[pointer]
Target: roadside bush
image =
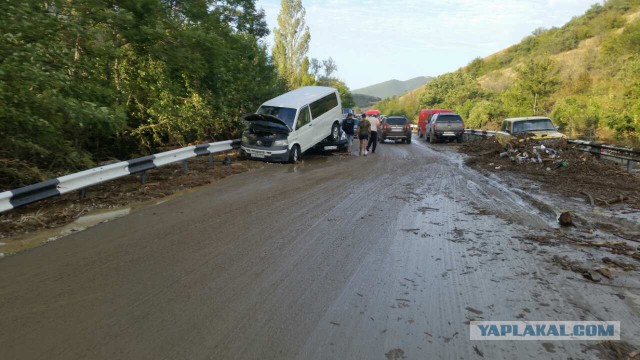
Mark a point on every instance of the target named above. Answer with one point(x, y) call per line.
point(577, 117)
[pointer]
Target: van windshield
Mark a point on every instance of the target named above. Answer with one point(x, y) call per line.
point(287, 115)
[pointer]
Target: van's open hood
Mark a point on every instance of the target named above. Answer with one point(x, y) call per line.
point(268, 122)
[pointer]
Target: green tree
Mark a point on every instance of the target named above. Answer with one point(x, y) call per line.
point(536, 80)
point(291, 45)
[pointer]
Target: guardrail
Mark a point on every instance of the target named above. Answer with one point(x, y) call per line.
point(625, 156)
point(483, 133)
point(81, 180)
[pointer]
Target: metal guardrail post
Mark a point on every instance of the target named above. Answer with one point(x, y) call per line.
point(185, 166)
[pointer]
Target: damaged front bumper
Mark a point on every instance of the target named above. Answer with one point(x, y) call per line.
point(276, 154)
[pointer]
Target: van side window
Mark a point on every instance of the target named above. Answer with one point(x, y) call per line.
point(321, 106)
point(303, 118)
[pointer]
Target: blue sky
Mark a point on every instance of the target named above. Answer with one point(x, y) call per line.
point(374, 41)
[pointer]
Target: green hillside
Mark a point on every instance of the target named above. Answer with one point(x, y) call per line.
point(391, 88)
point(585, 74)
point(364, 101)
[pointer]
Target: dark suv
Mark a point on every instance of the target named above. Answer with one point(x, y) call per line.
point(396, 128)
point(445, 126)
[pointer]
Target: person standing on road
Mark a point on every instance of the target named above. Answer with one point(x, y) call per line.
point(348, 126)
point(364, 131)
point(375, 124)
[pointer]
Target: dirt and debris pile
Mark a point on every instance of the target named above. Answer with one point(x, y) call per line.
point(569, 171)
point(161, 182)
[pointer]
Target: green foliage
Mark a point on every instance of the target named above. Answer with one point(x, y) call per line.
point(536, 81)
point(291, 45)
point(85, 81)
point(577, 116)
point(457, 91)
point(485, 114)
point(343, 89)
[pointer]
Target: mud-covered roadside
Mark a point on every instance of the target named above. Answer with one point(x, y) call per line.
point(572, 173)
point(126, 192)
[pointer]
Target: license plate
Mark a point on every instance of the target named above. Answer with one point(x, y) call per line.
point(331, 148)
point(448, 133)
point(259, 156)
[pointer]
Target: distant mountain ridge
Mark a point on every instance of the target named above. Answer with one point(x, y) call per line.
point(393, 87)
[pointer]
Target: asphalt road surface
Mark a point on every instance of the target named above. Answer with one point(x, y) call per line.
point(381, 257)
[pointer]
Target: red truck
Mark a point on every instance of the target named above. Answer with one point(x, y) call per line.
point(425, 115)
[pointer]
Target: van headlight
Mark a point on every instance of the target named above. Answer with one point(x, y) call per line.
point(245, 139)
point(281, 143)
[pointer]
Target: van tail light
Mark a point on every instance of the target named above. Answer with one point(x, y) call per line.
point(435, 126)
point(463, 125)
point(386, 126)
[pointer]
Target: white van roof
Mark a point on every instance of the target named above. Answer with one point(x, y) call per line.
point(300, 97)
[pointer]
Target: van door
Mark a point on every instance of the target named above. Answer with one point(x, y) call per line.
point(324, 112)
point(304, 132)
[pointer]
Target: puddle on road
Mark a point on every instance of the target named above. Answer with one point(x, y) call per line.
point(32, 240)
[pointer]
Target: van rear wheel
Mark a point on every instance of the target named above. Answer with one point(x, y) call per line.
point(335, 132)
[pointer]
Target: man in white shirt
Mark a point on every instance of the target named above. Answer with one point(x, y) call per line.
point(373, 139)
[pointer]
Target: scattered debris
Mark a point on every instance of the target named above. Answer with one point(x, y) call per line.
point(605, 272)
point(395, 354)
point(570, 172)
point(622, 265)
point(334, 323)
point(614, 350)
point(565, 219)
point(595, 201)
point(592, 275)
point(475, 311)
point(478, 351)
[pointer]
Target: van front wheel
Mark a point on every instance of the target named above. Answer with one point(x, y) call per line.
point(294, 154)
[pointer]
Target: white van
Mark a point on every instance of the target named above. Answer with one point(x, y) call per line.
point(285, 127)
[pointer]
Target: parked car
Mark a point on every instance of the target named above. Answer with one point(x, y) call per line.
point(425, 116)
point(445, 126)
point(285, 127)
point(538, 128)
point(396, 128)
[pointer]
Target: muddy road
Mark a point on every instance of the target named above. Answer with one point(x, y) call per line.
point(380, 257)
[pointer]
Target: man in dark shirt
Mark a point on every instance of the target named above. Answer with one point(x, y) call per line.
point(348, 126)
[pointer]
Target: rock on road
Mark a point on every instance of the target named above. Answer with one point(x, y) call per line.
point(385, 256)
